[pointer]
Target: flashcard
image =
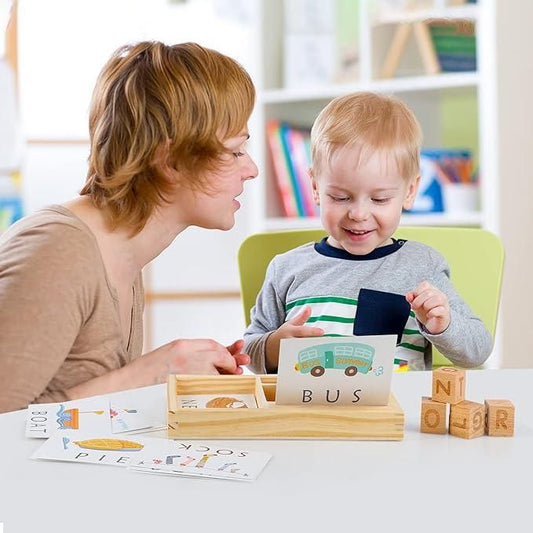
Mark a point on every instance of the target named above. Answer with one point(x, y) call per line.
point(199, 460)
point(97, 448)
point(130, 411)
point(152, 455)
point(89, 414)
point(137, 410)
point(347, 370)
point(217, 401)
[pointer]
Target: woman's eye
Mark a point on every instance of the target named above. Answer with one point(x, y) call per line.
point(238, 154)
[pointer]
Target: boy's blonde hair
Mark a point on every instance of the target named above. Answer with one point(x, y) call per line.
point(153, 103)
point(371, 123)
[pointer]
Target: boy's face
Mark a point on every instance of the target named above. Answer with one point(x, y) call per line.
point(361, 200)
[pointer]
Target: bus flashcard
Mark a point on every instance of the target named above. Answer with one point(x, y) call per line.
point(350, 370)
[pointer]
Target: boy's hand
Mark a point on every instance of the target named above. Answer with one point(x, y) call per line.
point(292, 328)
point(430, 307)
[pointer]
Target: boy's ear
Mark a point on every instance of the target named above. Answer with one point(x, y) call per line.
point(314, 186)
point(412, 189)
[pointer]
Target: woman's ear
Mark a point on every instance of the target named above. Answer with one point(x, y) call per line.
point(314, 186)
point(162, 161)
point(412, 189)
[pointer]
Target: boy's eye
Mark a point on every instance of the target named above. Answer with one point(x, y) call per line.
point(339, 198)
point(380, 200)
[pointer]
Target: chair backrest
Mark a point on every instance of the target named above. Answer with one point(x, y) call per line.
point(475, 257)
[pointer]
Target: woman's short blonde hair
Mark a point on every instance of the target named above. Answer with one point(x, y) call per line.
point(370, 123)
point(181, 101)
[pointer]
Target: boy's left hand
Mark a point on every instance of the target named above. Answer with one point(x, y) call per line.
point(430, 306)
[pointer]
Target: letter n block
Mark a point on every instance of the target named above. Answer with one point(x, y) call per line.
point(433, 416)
point(500, 418)
point(467, 419)
point(448, 385)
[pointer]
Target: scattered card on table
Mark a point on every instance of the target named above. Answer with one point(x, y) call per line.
point(97, 448)
point(89, 414)
point(137, 410)
point(154, 456)
point(199, 460)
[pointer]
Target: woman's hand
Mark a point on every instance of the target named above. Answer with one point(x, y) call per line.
point(241, 359)
point(196, 356)
point(183, 356)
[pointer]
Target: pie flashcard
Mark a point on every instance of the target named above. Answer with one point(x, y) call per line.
point(96, 448)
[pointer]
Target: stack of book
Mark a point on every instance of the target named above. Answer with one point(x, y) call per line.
point(289, 148)
point(455, 44)
point(439, 168)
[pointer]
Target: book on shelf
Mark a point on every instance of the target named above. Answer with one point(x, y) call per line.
point(289, 150)
point(281, 169)
point(455, 44)
point(285, 133)
point(440, 168)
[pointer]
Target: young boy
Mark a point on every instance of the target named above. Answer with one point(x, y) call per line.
point(359, 280)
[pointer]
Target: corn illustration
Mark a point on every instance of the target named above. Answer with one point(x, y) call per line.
point(116, 445)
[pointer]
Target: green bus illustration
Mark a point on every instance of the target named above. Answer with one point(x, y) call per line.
point(352, 358)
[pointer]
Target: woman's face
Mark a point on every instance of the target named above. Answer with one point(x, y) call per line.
point(214, 207)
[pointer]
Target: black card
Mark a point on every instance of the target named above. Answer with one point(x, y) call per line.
point(381, 313)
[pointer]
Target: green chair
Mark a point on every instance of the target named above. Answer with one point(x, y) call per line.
point(475, 257)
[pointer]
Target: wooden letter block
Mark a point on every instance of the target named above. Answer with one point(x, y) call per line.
point(448, 385)
point(433, 416)
point(500, 418)
point(467, 419)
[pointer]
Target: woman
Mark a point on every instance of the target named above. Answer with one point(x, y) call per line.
point(168, 127)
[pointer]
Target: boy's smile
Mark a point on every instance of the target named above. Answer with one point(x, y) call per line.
point(361, 197)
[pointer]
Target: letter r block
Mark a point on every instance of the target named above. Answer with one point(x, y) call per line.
point(433, 416)
point(448, 385)
point(467, 419)
point(500, 418)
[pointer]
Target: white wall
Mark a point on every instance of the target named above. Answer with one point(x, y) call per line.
point(515, 116)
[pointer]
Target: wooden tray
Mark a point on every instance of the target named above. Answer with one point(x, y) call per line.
point(271, 421)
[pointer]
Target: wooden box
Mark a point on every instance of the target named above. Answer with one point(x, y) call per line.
point(271, 421)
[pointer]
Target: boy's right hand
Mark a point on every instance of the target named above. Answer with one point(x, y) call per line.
point(292, 328)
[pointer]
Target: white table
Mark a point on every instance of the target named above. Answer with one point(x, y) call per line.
point(423, 483)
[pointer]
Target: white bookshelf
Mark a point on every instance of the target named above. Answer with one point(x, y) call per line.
point(423, 93)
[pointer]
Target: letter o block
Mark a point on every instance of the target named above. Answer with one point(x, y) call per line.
point(500, 418)
point(448, 385)
point(467, 419)
point(433, 416)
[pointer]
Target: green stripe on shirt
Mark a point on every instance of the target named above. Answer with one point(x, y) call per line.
point(414, 347)
point(329, 318)
point(319, 299)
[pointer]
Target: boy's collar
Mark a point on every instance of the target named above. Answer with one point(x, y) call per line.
point(326, 249)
